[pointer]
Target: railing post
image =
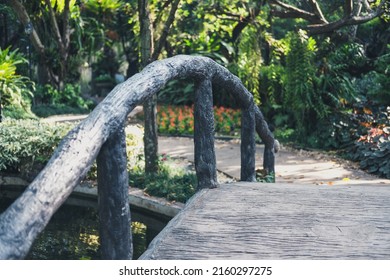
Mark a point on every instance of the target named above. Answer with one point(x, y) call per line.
point(269, 159)
point(205, 162)
point(248, 144)
point(113, 198)
point(269, 142)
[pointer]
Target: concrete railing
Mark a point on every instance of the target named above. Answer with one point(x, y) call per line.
point(101, 136)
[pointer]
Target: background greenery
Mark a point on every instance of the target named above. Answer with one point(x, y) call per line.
point(318, 89)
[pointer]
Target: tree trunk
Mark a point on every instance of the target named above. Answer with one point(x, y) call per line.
point(151, 136)
point(62, 39)
point(150, 106)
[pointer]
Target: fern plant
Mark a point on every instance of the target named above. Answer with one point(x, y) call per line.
point(250, 60)
point(300, 83)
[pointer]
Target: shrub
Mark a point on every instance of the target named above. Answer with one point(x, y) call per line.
point(373, 151)
point(15, 90)
point(44, 111)
point(27, 145)
point(177, 92)
point(172, 183)
point(50, 101)
point(134, 144)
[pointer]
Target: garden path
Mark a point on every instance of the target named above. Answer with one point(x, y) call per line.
point(292, 166)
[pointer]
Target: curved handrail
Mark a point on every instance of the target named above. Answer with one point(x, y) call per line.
point(29, 214)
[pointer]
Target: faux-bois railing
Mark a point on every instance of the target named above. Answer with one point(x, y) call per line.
point(101, 136)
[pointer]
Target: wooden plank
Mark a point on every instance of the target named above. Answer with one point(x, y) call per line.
point(279, 221)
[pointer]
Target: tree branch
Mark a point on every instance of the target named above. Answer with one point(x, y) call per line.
point(164, 33)
point(25, 19)
point(352, 20)
point(57, 33)
point(317, 21)
point(348, 8)
point(317, 10)
point(288, 11)
point(244, 23)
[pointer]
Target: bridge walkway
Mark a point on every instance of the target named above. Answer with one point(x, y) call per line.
point(279, 221)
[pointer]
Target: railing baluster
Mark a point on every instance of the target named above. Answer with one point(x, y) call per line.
point(79, 149)
point(248, 144)
point(113, 198)
point(205, 162)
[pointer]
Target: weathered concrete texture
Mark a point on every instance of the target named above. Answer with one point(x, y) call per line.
point(86, 195)
point(21, 223)
point(113, 199)
point(206, 171)
point(279, 221)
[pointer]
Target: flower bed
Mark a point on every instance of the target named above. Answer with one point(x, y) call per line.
point(179, 120)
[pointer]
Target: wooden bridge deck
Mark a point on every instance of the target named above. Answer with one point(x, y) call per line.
point(279, 221)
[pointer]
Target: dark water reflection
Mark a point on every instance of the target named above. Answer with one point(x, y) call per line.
point(73, 234)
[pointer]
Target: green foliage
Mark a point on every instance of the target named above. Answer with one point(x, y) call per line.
point(177, 92)
point(16, 91)
point(263, 177)
point(26, 145)
point(172, 183)
point(373, 151)
point(335, 76)
point(250, 60)
point(284, 134)
point(379, 89)
point(337, 131)
point(102, 6)
point(134, 144)
point(300, 95)
point(44, 111)
point(50, 101)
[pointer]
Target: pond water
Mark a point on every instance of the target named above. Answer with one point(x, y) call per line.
point(73, 233)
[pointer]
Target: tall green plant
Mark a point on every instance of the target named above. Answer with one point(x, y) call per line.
point(250, 60)
point(300, 83)
point(15, 90)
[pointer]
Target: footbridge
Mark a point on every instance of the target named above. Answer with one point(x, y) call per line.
point(101, 137)
point(244, 220)
point(279, 221)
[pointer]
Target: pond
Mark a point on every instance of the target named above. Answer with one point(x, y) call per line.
point(73, 233)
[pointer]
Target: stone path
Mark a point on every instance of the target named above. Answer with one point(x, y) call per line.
point(291, 166)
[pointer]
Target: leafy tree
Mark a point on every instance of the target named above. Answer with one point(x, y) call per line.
point(50, 35)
